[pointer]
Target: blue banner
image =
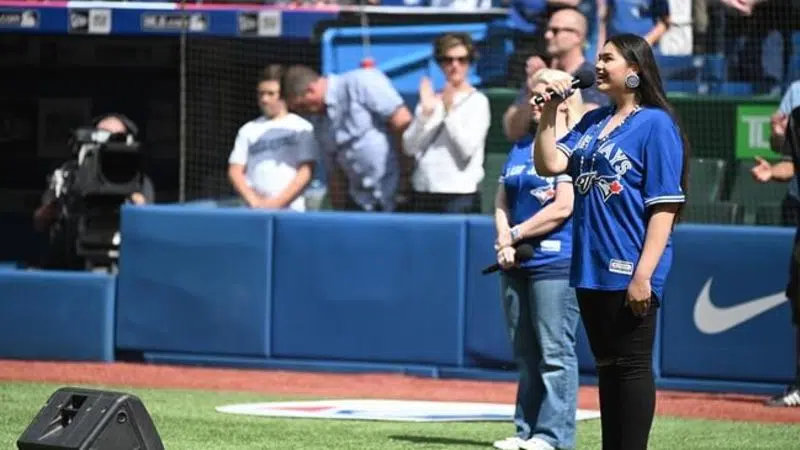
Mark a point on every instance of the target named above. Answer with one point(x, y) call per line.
point(159, 18)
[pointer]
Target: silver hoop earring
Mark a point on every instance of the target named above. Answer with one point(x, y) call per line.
point(632, 81)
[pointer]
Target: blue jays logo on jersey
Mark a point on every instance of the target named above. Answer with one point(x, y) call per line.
point(585, 181)
point(544, 193)
point(608, 185)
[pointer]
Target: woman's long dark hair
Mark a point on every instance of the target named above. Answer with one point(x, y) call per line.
point(650, 92)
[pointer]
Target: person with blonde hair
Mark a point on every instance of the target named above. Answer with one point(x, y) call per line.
point(541, 308)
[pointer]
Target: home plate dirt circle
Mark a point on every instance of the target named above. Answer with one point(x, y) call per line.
point(386, 410)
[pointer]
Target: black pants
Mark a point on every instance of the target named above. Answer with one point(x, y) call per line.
point(426, 202)
point(622, 344)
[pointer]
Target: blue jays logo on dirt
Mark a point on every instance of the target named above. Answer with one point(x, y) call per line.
point(544, 193)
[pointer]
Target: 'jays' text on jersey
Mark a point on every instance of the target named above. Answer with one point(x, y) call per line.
point(526, 194)
point(616, 179)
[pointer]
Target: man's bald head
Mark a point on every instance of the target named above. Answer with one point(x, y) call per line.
point(566, 33)
point(112, 124)
point(572, 18)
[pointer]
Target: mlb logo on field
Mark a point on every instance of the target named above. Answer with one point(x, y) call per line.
point(385, 410)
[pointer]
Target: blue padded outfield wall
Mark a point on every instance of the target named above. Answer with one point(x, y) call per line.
point(378, 292)
point(56, 315)
point(196, 282)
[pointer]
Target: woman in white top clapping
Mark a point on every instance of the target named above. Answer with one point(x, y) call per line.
point(447, 137)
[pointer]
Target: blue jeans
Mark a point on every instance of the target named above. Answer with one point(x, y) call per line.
point(542, 318)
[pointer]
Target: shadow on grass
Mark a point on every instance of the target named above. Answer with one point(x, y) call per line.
point(440, 440)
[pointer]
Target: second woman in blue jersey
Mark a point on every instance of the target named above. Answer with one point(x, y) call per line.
point(541, 307)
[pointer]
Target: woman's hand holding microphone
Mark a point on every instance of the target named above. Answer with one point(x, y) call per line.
point(556, 92)
point(506, 253)
point(505, 257)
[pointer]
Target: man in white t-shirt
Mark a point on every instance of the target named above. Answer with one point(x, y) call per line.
point(273, 158)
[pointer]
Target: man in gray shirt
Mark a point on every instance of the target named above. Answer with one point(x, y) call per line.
point(359, 124)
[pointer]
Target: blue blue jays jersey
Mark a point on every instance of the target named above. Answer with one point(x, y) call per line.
point(526, 194)
point(616, 179)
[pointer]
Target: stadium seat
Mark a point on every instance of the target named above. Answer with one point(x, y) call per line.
point(733, 88)
point(751, 194)
point(499, 100)
point(706, 178)
point(726, 213)
point(794, 60)
point(492, 166)
point(682, 87)
point(715, 68)
point(683, 67)
point(769, 214)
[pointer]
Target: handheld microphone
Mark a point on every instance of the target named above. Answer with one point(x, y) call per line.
point(582, 80)
point(524, 253)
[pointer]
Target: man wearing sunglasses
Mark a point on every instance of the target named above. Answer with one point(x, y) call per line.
point(565, 37)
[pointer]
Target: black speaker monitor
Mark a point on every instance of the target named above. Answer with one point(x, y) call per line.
point(83, 419)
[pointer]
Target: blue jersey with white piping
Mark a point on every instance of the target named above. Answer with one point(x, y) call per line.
point(527, 193)
point(616, 180)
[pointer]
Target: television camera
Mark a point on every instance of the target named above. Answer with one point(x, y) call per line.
point(89, 193)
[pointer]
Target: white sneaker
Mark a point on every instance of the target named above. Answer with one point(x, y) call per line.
point(536, 444)
point(511, 443)
point(790, 398)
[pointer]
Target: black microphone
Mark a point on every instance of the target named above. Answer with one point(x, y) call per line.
point(524, 253)
point(582, 80)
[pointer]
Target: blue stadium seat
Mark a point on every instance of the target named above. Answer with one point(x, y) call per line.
point(679, 67)
point(732, 88)
point(793, 73)
point(715, 68)
point(682, 87)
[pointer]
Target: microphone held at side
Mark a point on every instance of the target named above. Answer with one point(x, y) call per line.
point(523, 253)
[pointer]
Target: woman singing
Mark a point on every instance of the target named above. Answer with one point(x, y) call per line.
point(541, 307)
point(627, 165)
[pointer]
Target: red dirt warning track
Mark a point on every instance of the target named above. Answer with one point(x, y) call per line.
point(679, 404)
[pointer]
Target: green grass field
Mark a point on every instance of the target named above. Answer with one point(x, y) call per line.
point(186, 420)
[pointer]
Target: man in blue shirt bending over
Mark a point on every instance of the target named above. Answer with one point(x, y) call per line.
point(359, 123)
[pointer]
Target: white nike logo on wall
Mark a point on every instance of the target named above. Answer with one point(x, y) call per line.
point(711, 319)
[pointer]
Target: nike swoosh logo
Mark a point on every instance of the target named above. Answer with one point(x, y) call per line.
point(711, 319)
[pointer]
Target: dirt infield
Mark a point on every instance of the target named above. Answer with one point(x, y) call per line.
point(711, 406)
